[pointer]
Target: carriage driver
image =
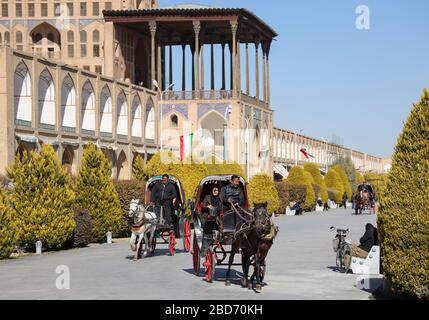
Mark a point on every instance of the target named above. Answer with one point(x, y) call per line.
point(164, 196)
point(232, 193)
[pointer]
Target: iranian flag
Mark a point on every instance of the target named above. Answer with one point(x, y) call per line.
point(186, 146)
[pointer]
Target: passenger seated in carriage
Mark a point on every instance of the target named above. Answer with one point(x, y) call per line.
point(212, 203)
point(232, 194)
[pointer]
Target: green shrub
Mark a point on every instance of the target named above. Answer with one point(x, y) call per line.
point(320, 188)
point(96, 193)
point(7, 227)
point(349, 168)
point(42, 198)
point(82, 234)
point(359, 178)
point(127, 191)
point(344, 178)
point(310, 195)
point(289, 193)
point(334, 184)
point(332, 193)
point(403, 218)
point(378, 181)
point(263, 189)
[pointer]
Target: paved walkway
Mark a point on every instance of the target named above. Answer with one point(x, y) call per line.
point(300, 266)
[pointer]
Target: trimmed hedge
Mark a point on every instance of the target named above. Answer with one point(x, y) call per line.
point(127, 191)
point(263, 189)
point(345, 179)
point(82, 234)
point(403, 219)
point(335, 185)
point(289, 192)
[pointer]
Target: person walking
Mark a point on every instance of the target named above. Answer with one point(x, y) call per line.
point(345, 200)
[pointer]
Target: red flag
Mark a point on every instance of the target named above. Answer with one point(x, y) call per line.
point(306, 154)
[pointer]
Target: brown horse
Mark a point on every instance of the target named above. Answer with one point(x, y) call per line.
point(254, 237)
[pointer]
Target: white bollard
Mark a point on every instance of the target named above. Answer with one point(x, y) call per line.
point(109, 237)
point(39, 247)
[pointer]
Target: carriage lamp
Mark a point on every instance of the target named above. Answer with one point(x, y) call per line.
point(109, 237)
point(39, 247)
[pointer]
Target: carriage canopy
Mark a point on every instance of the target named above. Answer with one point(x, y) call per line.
point(174, 180)
point(208, 183)
point(367, 187)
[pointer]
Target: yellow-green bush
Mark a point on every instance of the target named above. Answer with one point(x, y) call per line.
point(359, 178)
point(42, 198)
point(298, 176)
point(378, 181)
point(318, 179)
point(7, 227)
point(96, 193)
point(138, 168)
point(333, 181)
point(403, 219)
point(263, 189)
point(347, 187)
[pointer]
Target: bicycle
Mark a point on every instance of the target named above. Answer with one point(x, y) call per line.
point(343, 250)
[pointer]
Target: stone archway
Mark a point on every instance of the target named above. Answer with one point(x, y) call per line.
point(23, 95)
point(46, 41)
point(69, 160)
point(122, 167)
point(46, 90)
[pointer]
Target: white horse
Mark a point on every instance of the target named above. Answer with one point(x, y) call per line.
point(144, 224)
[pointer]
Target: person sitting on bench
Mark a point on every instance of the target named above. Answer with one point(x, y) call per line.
point(368, 240)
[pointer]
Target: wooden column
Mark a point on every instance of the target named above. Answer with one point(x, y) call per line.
point(170, 71)
point(257, 69)
point(231, 67)
point(163, 69)
point(264, 71)
point(202, 65)
point(159, 66)
point(223, 67)
point(193, 67)
point(238, 70)
point(152, 27)
point(234, 27)
point(212, 86)
point(197, 29)
point(183, 67)
point(247, 70)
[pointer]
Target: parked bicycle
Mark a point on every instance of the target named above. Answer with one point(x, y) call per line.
point(343, 250)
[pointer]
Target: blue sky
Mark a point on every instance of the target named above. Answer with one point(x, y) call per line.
point(328, 78)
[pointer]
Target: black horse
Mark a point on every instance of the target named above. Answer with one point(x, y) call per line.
point(254, 236)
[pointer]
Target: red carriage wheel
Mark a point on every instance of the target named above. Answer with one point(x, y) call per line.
point(196, 257)
point(209, 266)
point(187, 235)
point(172, 244)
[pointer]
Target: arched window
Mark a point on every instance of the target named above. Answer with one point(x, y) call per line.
point(70, 36)
point(83, 43)
point(96, 36)
point(122, 120)
point(174, 121)
point(18, 40)
point(136, 125)
point(68, 105)
point(150, 120)
point(46, 100)
point(106, 120)
point(22, 95)
point(7, 37)
point(88, 109)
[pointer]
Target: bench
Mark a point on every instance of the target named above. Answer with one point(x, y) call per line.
point(332, 205)
point(370, 265)
point(319, 208)
point(290, 212)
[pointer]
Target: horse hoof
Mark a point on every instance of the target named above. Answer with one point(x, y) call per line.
point(228, 283)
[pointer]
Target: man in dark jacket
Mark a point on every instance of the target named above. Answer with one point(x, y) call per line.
point(232, 193)
point(164, 196)
point(368, 240)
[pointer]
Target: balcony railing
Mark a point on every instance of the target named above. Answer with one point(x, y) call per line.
point(107, 135)
point(23, 123)
point(88, 132)
point(122, 136)
point(212, 95)
point(46, 126)
point(69, 129)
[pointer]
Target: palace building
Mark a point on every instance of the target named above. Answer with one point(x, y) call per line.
point(74, 72)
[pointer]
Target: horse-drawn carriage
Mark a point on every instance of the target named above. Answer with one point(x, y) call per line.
point(147, 229)
point(364, 199)
point(231, 227)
